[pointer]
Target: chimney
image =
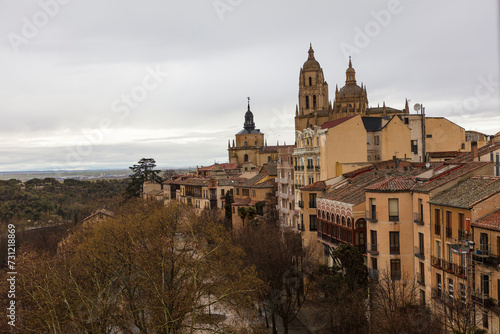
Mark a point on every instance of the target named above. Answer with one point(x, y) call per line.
point(473, 149)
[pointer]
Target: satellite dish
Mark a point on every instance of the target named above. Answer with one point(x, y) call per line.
point(427, 165)
point(417, 107)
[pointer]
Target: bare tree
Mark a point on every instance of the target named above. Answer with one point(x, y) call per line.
point(152, 269)
point(283, 264)
point(396, 307)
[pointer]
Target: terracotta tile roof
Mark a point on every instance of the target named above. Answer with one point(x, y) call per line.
point(352, 189)
point(319, 185)
point(445, 154)
point(467, 156)
point(334, 123)
point(469, 192)
point(256, 182)
point(223, 166)
point(234, 181)
point(102, 211)
point(393, 184)
point(438, 179)
point(270, 169)
point(490, 221)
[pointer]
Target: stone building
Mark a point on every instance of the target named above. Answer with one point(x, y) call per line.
point(250, 146)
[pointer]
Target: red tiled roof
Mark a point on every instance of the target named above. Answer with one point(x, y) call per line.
point(334, 123)
point(490, 221)
point(223, 165)
point(319, 185)
point(393, 184)
point(445, 154)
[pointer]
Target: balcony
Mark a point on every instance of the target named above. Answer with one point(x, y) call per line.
point(418, 218)
point(419, 252)
point(436, 262)
point(371, 216)
point(316, 168)
point(394, 250)
point(447, 266)
point(437, 229)
point(284, 195)
point(482, 298)
point(373, 274)
point(459, 270)
point(448, 232)
point(421, 279)
point(394, 219)
point(310, 168)
point(284, 210)
point(372, 249)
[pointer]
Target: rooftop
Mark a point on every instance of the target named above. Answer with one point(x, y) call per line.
point(468, 192)
point(490, 221)
point(334, 123)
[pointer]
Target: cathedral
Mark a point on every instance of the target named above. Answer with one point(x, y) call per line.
point(315, 108)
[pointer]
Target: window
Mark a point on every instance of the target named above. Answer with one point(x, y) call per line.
point(312, 223)
point(448, 224)
point(245, 158)
point(407, 120)
point(461, 227)
point(373, 208)
point(245, 143)
point(393, 210)
point(439, 287)
point(395, 269)
point(310, 179)
point(222, 192)
point(255, 143)
point(450, 288)
point(310, 81)
point(373, 239)
point(312, 200)
point(237, 191)
point(307, 102)
point(438, 249)
point(374, 263)
point(485, 319)
point(414, 146)
point(463, 293)
point(368, 140)
point(428, 136)
point(483, 244)
point(377, 141)
point(437, 221)
point(245, 192)
point(394, 242)
point(485, 284)
point(253, 192)
point(450, 253)
point(314, 101)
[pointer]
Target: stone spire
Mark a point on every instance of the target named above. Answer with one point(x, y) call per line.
point(249, 124)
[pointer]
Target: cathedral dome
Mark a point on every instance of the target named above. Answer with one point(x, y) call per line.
point(350, 90)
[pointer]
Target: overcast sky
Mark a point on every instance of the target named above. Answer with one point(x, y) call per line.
point(101, 84)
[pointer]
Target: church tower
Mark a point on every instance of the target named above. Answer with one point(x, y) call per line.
point(313, 95)
point(351, 99)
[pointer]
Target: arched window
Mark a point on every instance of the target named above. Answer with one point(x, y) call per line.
point(314, 101)
point(307, 102)
point(343, 220)
point(246, 157)
point(328, 216)
point(245, 143)
point(338, 219)
point(269, 159)
point(348, 222)
point(310, 81)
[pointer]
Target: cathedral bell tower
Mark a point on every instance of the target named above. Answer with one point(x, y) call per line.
point(313, 89)
point(313, 94)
